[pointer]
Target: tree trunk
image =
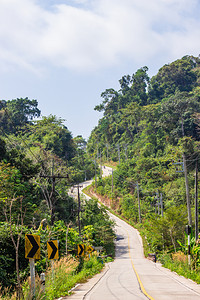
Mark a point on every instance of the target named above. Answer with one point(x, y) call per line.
point(19, 291)
point(67, 237)
point(172, 239)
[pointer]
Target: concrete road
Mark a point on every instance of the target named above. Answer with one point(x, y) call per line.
point(73, 191)
point(155, 282)
point(106, 171)
point(120, 281)
point(131, 276)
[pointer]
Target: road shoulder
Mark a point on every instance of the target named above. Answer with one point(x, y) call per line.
point(81, 290)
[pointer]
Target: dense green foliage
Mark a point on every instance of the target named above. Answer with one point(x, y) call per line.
point(148, 113)
point(98, 226)
point(39, 162)
point(146, 128)
point(14, 114)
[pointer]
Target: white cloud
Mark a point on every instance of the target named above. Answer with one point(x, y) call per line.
point(99, 34)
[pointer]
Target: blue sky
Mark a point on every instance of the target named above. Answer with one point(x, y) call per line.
point(65, 53)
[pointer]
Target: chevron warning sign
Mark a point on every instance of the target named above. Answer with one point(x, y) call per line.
point(52, 248)
point(89, 249)
point(32, 246)
point(81, 250)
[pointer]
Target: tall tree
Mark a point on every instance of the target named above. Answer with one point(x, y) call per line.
point(16, 113)
point(176, 115)
point(53, 136)
point(179, 75)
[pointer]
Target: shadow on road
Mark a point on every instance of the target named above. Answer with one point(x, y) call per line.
point(121, 248)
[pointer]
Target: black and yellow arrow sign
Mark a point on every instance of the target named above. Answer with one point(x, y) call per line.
point(32, 246)
point(89, 249)
point(81, 250)
point(52, 248)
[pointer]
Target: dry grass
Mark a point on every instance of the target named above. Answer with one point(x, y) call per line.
point(65, 264)
point(179, 256)
point(58, 275)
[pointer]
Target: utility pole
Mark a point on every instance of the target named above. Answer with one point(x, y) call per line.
point(112, 181)
point(52, 198)
point(138, 196)
point(118, 152)
point(79, 208)
point(186, 186)
point(95, 172)
point(161, 203)
point(158, 202)
point(139, 210)
point(196, 203)
point(187, 191)
point(53, 193)
point(188, 232)
point(125, 151)
point(107, 151)
point(100, 166)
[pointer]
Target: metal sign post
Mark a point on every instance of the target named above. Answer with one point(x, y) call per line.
point(42, 281)
point(32, 252)
point(52, 270)
point(32, 274)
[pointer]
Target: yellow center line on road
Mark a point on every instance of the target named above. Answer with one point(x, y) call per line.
point(136, 273)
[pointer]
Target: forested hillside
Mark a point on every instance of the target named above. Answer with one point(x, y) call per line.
point(150, 129)
point(39, 162)
point(149, 134)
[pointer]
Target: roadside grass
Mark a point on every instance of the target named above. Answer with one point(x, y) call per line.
point(61, 277)
point(177, 262)
point(64, 278)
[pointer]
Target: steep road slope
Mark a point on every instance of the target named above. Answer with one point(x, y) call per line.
point(132, 276)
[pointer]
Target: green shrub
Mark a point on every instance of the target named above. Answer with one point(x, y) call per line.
point(179, 265)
